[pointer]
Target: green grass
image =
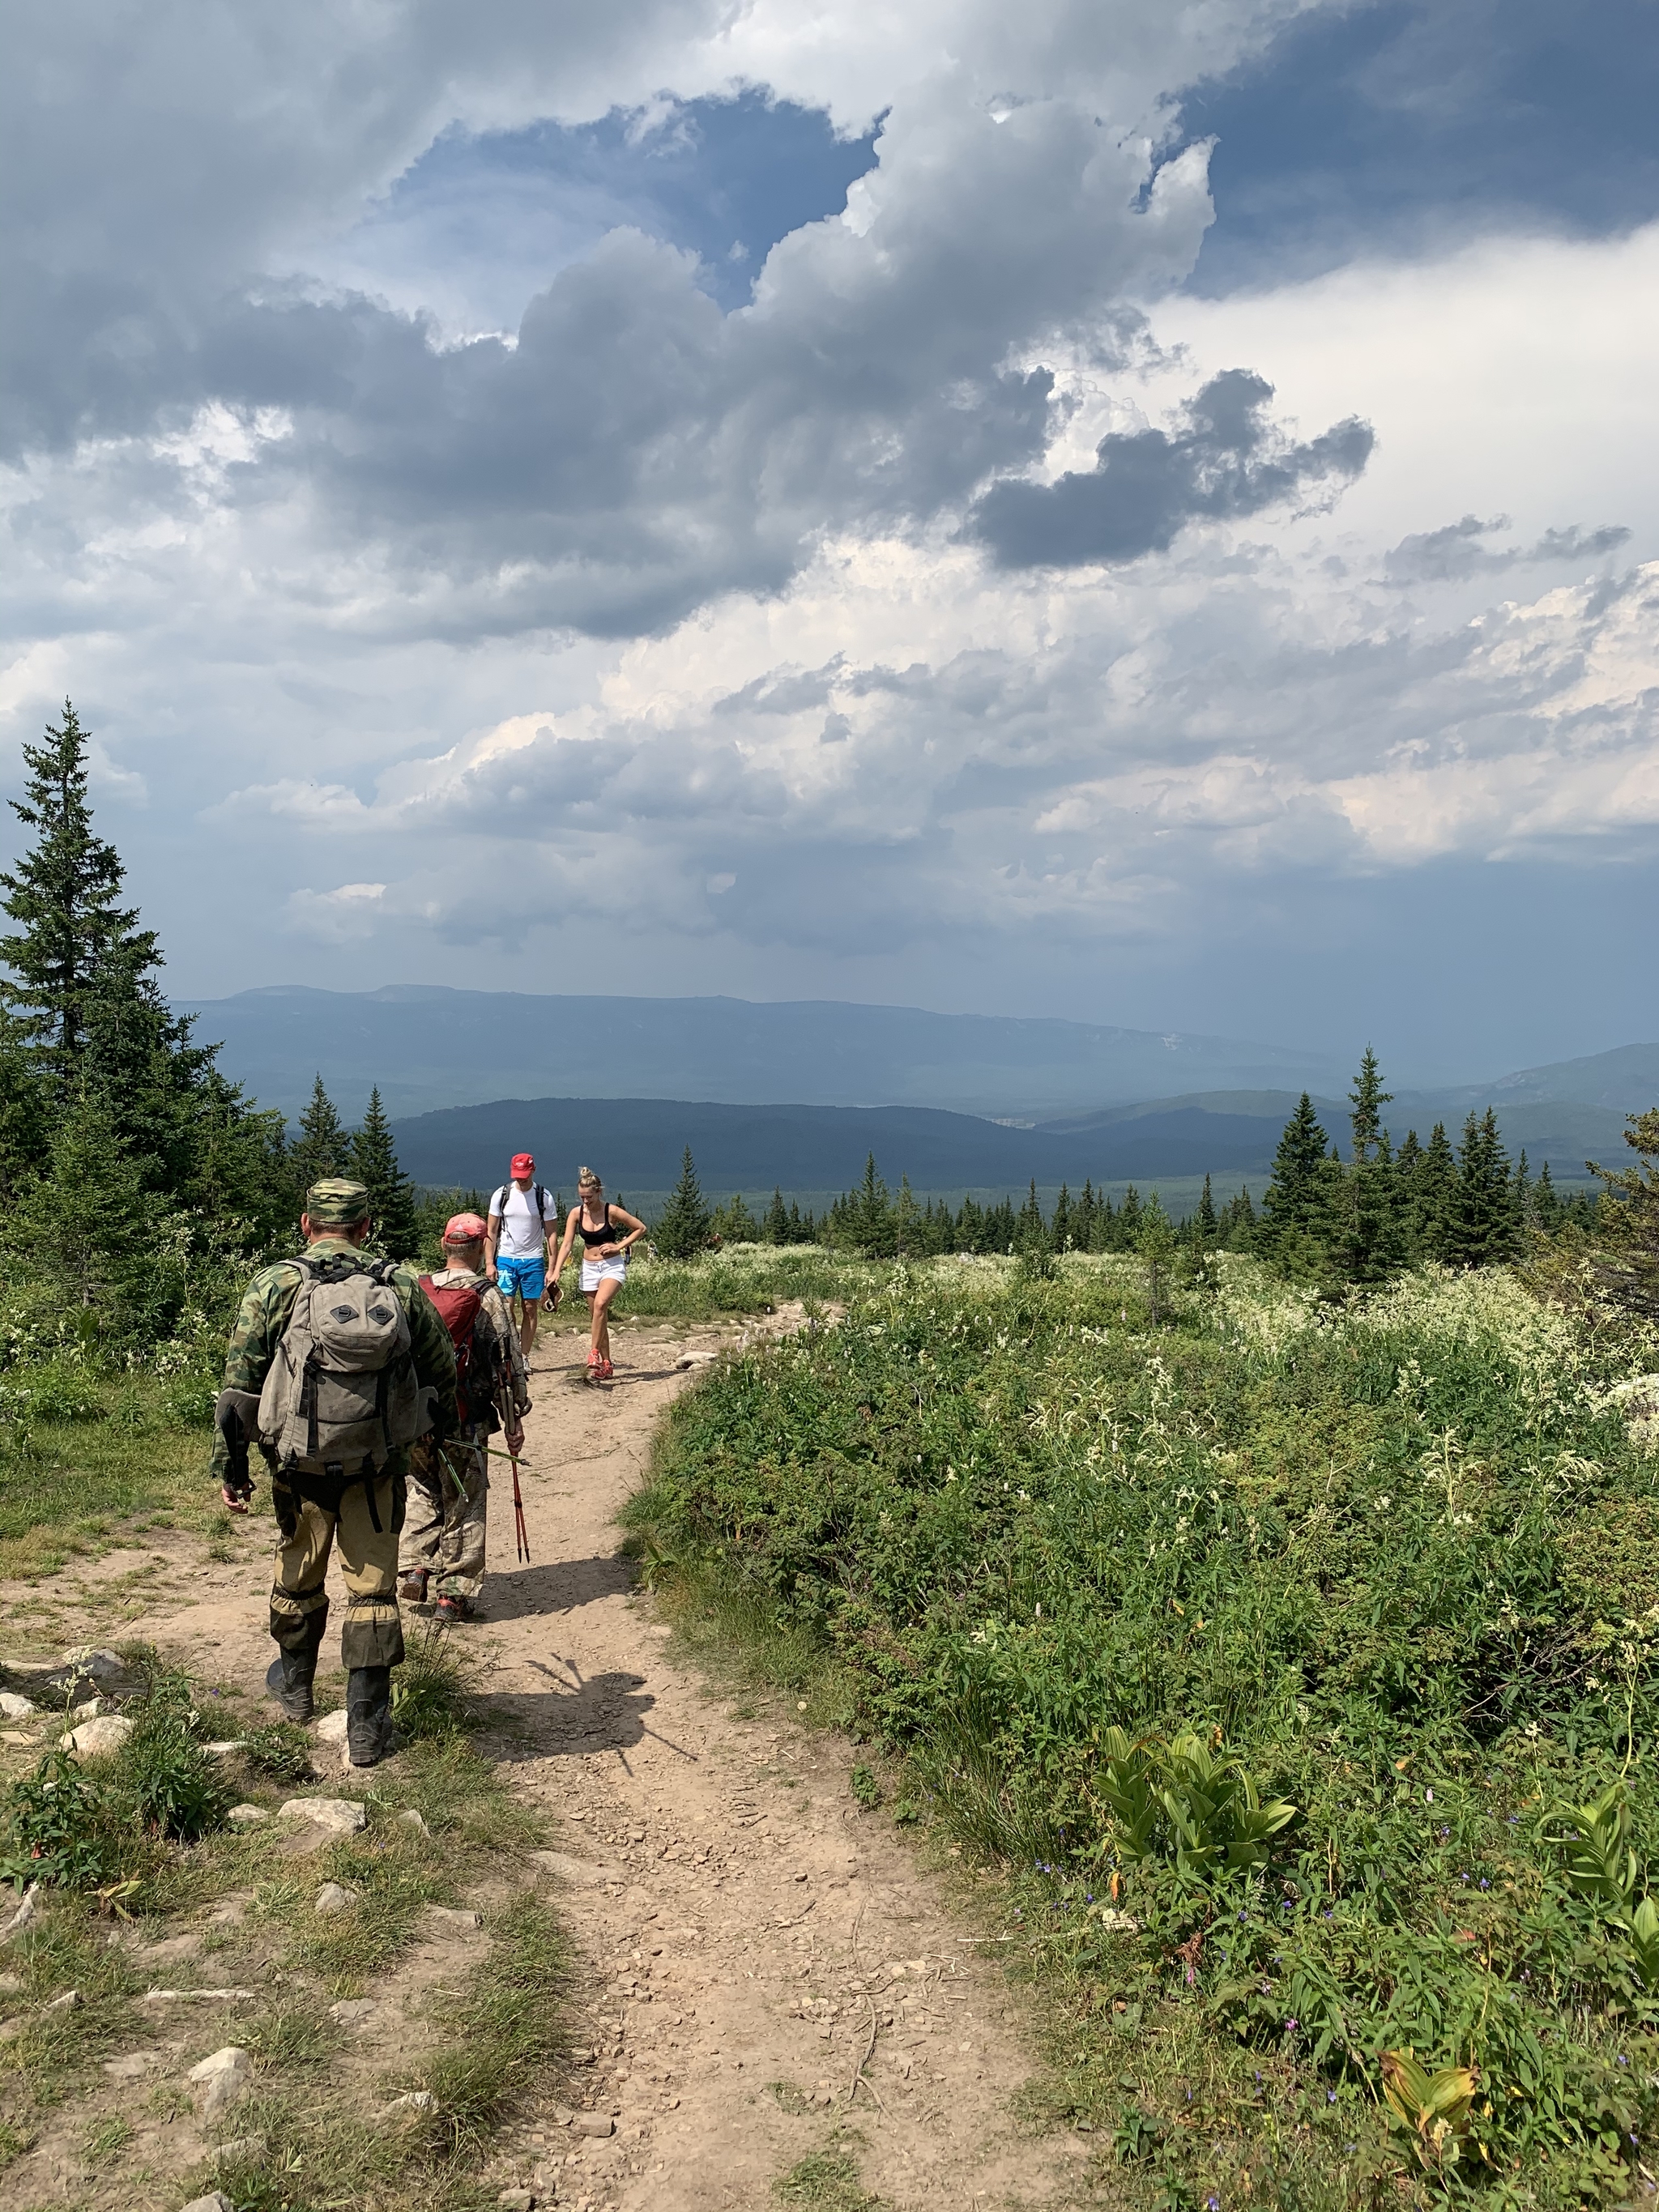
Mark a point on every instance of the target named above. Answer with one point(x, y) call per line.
point(1399, 1561)
point(748, 1278)
point(107, 1452)
point(827, 2179)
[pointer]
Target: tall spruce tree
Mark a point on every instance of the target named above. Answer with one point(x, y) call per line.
point(1155, 1240)
point(1483, 1225)
point(372, 1157)
point(775, 1230)
point(1434, 1198)
point(683, 1226)
point(320, 1149)
point(64, 896)
point(1293, 1208)
point(1030, 1231)
point(1366, 1236)
point(1205, 1221)
point(907, 1238)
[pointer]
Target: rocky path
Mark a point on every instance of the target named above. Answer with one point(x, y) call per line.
point(766, 1967)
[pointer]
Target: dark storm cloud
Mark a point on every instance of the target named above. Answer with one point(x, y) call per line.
point(1226, 460)
point(1388, 125)
point(1454, 553)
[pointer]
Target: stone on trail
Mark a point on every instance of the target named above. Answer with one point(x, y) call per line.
point(239, 2147)
point(223, 2078)
point(417, 2100)
point(215, 2201)
point(69, 2001)
point(15, 1708)
point(332, 1729)
point(344, 1816)
point(353, 2012)
point(247, 1816)
point(561, 1864)
point(334, 1897)
point(28, 1910)
point(517, 2200)
point(412, 1820)
point(89, 1711)
point(132, 2065)
point(224, 1749)
point(94, 1738)
point(454, 1919)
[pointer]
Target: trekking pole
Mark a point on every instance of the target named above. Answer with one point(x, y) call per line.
point(520, 1534)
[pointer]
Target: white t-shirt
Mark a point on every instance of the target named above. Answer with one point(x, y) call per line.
point(523, 1236)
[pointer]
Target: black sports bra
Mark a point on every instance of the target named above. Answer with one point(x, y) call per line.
point(593, 1235)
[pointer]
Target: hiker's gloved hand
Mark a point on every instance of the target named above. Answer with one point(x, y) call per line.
point(515, 1440)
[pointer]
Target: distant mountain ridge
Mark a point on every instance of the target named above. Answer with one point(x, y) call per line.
point(636, 1143)
point(427, 1047)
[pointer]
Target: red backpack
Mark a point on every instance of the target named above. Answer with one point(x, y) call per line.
point(458, 1305)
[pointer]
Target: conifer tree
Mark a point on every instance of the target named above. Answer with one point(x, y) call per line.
point(907, 1238)
point(1366, 1239)
point(775, 1227)
point(1030, 1231)
point(870, 1227)
point(321, 1147)
point(1434, 1196)
point(1104, 1237)
point(1483, 1225)
point(971, 1224)
point(1207, 1222)
point(25, 1112)
point(1000, 1227)
point(1292, 1207)
point(1083, 1219)
point(684, 1224)
point(1128, 1222)
point(733, 1223)
point(1546, 1202)
point(1155, 1240)
point(1061, 1230)
point(372, 1157)
point(64, 896)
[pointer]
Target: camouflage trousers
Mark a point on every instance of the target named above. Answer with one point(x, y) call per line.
point(314, 1513)
point(444, 1531)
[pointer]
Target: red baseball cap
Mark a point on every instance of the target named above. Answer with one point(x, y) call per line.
point(464, 1229)
point(522, 1163)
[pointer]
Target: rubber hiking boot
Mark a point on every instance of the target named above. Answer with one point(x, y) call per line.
point(412, 1587)
point(369, 1715)
point(454, 1609)
point(288, 1678)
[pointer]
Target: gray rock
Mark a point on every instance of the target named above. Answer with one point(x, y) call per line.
point(417, 2100)
point(592, 2123)
point(449, 1919)
point(577, 1871)
point(10, 1984)
point(132, 2065)
point(223, 1750)
point(353, 2012)
point(26, 1912)
point(215, 2201)
point(89, 1711)
point(342, 1816)
point(14, 1708)
point(239, 2147)
point(101, 1668)
point(332, 1729)
point(68, 2001)
point(195, 1996)
point(517, 2200)
point(247, 1816)
point(224, 2079)
point(334, 1897)
point(95, 1739)
point(412, 1820)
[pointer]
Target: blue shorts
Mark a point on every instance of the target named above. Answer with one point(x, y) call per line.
point(527, 1277)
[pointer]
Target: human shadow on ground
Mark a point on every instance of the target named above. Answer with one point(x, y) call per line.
point(576, 1716)
point(522, 1592)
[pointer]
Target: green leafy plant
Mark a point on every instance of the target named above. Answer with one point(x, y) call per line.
point(1435, 2107)
point(57, 1833)
point(280, 1749)
point(1600, 1862)
point(163, 1775)
point(866, 1787)
point(1179, 1800)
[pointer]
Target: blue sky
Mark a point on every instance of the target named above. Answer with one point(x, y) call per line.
point(1086, 509)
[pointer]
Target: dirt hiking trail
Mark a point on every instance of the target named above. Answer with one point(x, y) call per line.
point(750, 1941)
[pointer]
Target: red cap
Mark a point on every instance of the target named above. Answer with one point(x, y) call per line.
point(464, 1229)
point(522, 1163)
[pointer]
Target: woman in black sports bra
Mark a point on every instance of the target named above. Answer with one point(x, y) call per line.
point(605, 1262)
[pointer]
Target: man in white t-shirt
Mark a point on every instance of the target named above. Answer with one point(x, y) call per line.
point(524, 1223)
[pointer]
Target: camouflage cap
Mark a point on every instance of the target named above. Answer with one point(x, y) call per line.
point(337, 1202)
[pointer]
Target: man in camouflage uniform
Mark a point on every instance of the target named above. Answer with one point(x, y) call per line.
point(315, 1510)
point(444, 1533)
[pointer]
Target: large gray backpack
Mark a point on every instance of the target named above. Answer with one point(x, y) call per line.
point(341, 1390)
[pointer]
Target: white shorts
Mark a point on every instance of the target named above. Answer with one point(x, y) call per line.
point(595, 1271)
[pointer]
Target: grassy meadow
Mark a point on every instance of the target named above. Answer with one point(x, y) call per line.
point(1290, 1669)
